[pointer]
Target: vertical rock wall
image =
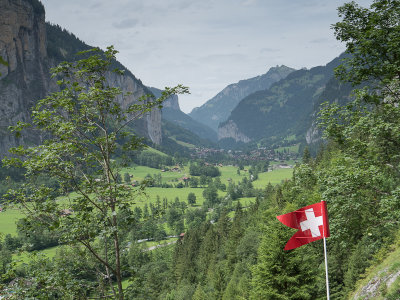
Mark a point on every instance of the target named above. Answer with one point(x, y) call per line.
point(26, 79)
point(150, 124)
point(231, 130)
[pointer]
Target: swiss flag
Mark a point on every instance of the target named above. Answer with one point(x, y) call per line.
point(311, 222)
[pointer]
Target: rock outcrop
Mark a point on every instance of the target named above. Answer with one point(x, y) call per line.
point(171, 112)
point(381, 281)
point(26, 79)
point(150, 124)
point(313, 134)
point(231, 130)
point(172, 102)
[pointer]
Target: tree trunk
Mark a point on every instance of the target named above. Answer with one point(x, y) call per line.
point(118, 262)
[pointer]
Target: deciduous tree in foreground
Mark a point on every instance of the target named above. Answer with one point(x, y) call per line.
point(82, 127)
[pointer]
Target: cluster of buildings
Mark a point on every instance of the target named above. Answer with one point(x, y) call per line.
point(257, 154)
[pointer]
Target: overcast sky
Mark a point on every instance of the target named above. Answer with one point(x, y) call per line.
point(204, 44)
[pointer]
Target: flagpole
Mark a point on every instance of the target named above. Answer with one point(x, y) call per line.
point(297, 221)
point(326, 270)
point(324, 214)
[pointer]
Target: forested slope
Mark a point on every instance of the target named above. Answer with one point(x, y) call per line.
point(280, 111)
point(356, 173)
point(243, 257)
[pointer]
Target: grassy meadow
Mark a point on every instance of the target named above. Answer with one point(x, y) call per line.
point(138, 173)
point(230, 173)
point(152, 150)
point(292, 149)
point(274, 177)
point(25, 257)
point(9, 217)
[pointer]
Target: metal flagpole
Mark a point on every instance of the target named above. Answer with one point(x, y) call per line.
point(326, 270)
point(326, 256)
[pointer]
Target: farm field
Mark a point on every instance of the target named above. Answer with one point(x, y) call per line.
point(140, 172)
point(25, 257)
point(289, 162)
point(274, 177)
point(230, 172)
point(9, 217)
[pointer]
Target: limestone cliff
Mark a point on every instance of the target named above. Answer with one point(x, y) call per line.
point(313, 134)
point(231, 130)
point(150, 124)
point(172, 102)
point(25, 79)
point(172, 113)
point(30, 54)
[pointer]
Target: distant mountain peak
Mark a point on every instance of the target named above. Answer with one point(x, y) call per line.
point(218, 108)
point(172, 113)
point(285, 109)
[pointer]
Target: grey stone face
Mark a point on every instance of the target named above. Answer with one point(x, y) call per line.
point(26, 79)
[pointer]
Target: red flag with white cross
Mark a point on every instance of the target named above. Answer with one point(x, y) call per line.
point(311, 222)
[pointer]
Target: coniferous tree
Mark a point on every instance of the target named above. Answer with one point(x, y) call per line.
point(281, 274)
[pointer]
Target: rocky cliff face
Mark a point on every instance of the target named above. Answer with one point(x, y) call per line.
point(172, 113)
point(231, 130)
point(172, 102)
point(26, 79)
point(150, 124)
point(313, 135)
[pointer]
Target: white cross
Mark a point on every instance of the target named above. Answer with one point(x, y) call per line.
point(312, 223)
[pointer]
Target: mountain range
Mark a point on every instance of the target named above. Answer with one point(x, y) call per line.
point(32, 47)
point(266, 109)
point(218, 108)
point(283, 110)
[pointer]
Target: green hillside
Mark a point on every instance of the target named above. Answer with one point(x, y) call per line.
point(172, 113)
point(382, 280)
point(218, 108)
point(176, 133)
point(283, 109)
point(183, 120)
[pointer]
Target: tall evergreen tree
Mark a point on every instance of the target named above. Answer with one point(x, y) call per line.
point(279, 274)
